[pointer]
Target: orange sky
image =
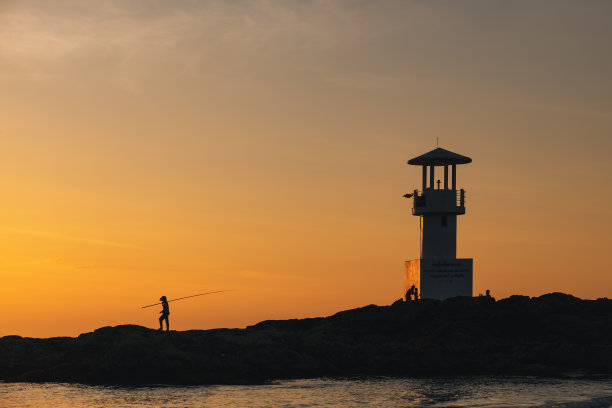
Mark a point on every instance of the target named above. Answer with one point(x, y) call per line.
point(154, 147)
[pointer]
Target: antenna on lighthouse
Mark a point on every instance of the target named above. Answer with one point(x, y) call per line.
point(437, 142)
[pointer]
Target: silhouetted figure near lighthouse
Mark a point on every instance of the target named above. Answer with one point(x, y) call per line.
point(164, 314)
point(412, 293)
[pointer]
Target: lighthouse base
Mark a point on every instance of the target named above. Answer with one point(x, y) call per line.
point(439, 278)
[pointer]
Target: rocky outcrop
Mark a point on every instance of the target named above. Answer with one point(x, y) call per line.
point(550, 335)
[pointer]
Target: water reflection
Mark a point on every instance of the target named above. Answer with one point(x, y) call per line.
point(367, 392)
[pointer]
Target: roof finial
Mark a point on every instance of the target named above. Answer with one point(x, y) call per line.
point(437, 142)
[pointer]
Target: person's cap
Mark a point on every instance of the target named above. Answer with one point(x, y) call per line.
point(162, 298)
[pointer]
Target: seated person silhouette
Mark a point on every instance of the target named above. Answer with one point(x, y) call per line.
point(412, 292)
point(164, 314)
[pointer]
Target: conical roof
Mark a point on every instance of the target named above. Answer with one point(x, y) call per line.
point(439, 157)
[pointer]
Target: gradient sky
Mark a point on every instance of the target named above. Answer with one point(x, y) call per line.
point(161, 147)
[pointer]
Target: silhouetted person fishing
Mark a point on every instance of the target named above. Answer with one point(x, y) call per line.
point(166, 310)
point(164, 314)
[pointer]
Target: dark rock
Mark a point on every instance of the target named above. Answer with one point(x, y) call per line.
point(547, 335)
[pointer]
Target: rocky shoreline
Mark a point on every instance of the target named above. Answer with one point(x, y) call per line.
point(551, 335)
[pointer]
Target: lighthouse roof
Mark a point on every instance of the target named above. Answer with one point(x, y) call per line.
point(439, 157)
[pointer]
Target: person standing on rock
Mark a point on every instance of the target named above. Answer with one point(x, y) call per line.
point(164, 314)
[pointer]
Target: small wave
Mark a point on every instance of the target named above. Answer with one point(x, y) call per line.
point(605, 402)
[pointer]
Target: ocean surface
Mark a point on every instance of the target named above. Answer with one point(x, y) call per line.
point(366, 392)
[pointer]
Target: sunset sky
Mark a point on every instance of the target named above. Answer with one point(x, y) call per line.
point(162, 147)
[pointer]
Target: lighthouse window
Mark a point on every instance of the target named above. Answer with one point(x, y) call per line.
point(444, 220)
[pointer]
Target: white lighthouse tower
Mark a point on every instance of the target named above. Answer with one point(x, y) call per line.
point(438, 273)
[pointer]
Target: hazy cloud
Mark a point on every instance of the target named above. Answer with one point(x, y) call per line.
point(64, 237)
point(137, 43)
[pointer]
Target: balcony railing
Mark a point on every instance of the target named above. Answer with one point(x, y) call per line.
point(420, 197)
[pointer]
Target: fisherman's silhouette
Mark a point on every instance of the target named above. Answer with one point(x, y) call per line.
point(164, 314)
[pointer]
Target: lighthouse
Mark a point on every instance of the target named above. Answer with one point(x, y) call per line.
point(438, 273)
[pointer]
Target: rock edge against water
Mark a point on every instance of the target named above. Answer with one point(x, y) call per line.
point(551, 335)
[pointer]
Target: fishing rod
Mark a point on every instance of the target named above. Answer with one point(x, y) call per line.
point(187, 297)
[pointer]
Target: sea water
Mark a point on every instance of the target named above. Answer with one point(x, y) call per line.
point(363, 392)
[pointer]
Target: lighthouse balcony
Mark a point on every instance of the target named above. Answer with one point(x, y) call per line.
point(433, 201)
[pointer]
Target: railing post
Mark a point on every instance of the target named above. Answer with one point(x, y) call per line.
point(462, 198)
point(431, 176)
point(446, 176)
